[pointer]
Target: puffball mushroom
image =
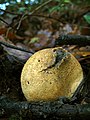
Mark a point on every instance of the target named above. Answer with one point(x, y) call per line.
point(49, 74)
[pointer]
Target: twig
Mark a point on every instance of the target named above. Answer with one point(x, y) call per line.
point(14, 47)
point(4, 21)
point(9, 25)
point(80, 40)
point(42, 5)
point(20, 21)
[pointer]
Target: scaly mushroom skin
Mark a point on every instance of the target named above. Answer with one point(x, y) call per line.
point(49, 74)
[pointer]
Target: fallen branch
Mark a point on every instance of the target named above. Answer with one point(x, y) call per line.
point(80, 40)
point(45, 109)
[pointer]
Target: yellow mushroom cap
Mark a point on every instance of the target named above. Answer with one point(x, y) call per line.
point(49, 74)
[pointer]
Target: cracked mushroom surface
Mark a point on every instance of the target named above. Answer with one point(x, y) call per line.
point(49, 74)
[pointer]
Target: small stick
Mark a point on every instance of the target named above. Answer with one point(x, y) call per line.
point(14, 47)
point(80, 40)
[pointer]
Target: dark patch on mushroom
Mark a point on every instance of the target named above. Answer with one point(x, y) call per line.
point(28, 82)
point(38, 60)
point(50, 82)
